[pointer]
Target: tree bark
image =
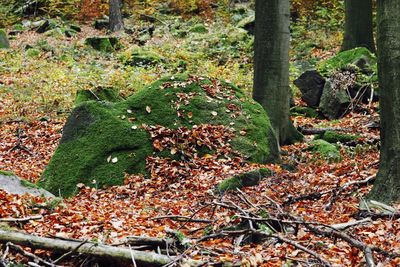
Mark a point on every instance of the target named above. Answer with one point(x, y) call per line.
point(271, 66)
point(387, 186)
point(102, 251)
point(115, 16)
point(358, 30)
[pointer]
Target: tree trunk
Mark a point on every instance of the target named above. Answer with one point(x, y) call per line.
point(387, 186)
point(116, 23)
point(358, 25)
point(271, 66)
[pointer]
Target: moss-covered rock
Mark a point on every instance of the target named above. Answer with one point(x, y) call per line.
point(4, 43)
point(360, 57)
point(101, 140)
point(199, 28)
point(138, 57)
point(250, 178)
point(335, 137)
point(103, 43)
point(98, 94)
point(326, 150)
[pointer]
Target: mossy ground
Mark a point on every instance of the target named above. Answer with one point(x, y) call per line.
point(326, 150)
point(98, 132)
point(335, 137)
point(250, 178)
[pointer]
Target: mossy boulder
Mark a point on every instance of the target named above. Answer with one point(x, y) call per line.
point(103, 43)
point(248, 23)
point(141, 58)
point(251, 178)
point(102, 140)
point(4, 43)
point(359, 57)
point(326, 150)
point(335, 137)
point(199, 28)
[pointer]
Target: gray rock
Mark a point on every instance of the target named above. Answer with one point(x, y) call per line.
point(4, 43)
point(15, 185)
point(311, 85)
point(334, 101)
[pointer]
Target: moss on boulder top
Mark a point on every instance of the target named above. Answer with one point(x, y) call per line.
point(102, 140)
point(359, 57)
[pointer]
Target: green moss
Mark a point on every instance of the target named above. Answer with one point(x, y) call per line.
point(304, 111)
point(199, 28)
point(99, 131)
point(326, 150)
point(250, 178)
point(28, 184)
point(98, 94)
point(6, 173)
point(140, 57)
point(33, 52)
point(103, 43)
point(350, 57)
point(335, 137)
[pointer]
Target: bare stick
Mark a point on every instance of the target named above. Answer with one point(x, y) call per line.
point(30, 255)
point(25, 219)
point(181, 219)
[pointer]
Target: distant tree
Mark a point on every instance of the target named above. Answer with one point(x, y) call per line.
point(387, 186)
point(358, 30)
point(271, 66)
point(115, 16)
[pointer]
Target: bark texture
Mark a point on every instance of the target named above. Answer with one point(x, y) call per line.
point(271, 66)
point(113, 253)
point(387, 186)
point(116, 23)
point(358, 25)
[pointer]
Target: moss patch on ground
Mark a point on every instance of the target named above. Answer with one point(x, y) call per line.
point(326, 150)
point(103, 140)
point(250, 178)
point(335, 137)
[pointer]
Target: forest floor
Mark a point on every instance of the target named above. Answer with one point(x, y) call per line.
point(36, 95)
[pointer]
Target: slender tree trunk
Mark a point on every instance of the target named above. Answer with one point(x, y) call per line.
point(387, 186)
point(358, 25)
point(271, 66)
point(116, 23)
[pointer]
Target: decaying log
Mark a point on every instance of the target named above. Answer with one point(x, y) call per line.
point(311, 131)
point(98, 250)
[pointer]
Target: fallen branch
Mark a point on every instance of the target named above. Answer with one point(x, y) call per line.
point(311, 131)
point(30, 255)
point(149, 241)
point(335, 191)
point(89, 248)
point(182, 219)
point(280, 238)
point(25, 219)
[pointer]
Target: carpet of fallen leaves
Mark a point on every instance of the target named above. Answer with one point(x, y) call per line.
point(109, 215)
